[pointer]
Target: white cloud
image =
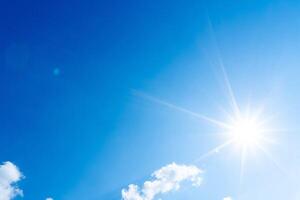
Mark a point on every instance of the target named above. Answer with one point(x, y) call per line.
point(227, 198)
point(165, 179)
point(9, 176)
point(49, 198)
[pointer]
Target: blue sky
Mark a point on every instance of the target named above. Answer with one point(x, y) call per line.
point(94, 95)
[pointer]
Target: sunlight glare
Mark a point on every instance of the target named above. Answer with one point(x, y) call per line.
point(246, 132)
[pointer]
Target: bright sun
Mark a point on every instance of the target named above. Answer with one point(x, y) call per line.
point(246, 132)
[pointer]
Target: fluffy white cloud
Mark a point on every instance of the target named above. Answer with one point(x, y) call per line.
point(227, 198)
point(165, 179)
point(49, 198)
point(9, 176)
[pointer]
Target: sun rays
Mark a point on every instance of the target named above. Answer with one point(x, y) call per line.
point(244, 131)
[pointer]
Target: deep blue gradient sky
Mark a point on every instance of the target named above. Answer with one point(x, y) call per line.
point(71, 114)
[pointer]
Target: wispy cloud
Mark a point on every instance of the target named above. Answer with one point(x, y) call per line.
point(227, 198)
point(9, 176)
point(166, 179)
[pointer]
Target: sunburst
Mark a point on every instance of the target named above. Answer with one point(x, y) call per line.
point(243, 131)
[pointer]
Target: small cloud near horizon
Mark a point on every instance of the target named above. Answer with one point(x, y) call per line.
point(9, 176)
point(164, 180)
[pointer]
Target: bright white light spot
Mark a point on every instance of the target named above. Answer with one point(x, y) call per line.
point(246, 132)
